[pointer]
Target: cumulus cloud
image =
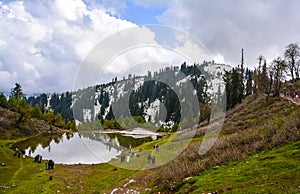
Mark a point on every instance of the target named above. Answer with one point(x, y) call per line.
point(139, 50)
point(224, 27)
point(98, 61)
point(44, 42)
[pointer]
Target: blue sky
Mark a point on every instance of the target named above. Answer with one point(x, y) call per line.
point(142, 15)
point(131, 10)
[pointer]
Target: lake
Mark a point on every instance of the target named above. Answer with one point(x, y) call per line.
point(83, 147)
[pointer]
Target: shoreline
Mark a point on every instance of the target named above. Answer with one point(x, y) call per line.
point(135, 131)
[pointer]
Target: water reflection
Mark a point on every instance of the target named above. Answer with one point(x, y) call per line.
point(77, 149)
point(83, 147)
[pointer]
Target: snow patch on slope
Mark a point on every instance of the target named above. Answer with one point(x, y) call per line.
point(152, 111)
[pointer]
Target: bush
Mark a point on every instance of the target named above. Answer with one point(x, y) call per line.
point(3, 101)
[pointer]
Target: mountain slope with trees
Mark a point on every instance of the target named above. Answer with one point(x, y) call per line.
point(258, 147)
point(18, 119)
point(149, 98)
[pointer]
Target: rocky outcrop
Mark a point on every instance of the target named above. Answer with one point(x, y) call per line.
point(11, 129)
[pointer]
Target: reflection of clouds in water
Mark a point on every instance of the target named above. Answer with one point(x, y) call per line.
point(76, 150)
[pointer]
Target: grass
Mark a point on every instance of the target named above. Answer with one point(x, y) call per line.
point(22, 175)
point(275, 171)
point(272, 128)
point(168, 150)
point(252, 154)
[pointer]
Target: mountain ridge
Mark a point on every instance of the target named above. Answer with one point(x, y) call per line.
point(146, 94)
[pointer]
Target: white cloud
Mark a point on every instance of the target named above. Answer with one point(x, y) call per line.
point(218, 58)
point(139, 50)
point(140, 60)
point(4, 78)
point(70, 9)
point(224, 27)
point(44, 42)
point(193, 51)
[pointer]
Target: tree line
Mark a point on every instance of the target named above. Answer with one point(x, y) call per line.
point(17, 102)
point(154, 88)
point(265, 78)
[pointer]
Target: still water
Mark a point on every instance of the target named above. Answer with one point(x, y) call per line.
point(83, 147)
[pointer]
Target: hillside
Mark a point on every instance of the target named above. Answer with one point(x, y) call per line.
point(274, 171)
point(10, 129)
point(157, 98)
point(257, 150)
point(255, 126)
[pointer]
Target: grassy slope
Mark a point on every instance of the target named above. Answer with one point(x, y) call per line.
point(275, 171)
point(272, 170)
point(24, 176)
point(250, 128)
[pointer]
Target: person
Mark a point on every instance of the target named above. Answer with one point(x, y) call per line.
point(153, 159)
point(51, 164)
point(19, 153)
point(122, 158)
point(16, 151)
point(149, 158)
point(38, 158)
point(127, 159)
point(47, 165)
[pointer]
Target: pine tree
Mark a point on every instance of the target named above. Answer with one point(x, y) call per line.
point(271, 80)
point(249, 80)
point(3, 101)
point(264, 78)
point(17, 92)
point(234, 87)
point(36, 112)
point(255, 81)
point(242, 64)
point(259, 77)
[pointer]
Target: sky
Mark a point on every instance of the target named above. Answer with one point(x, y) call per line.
point(45, 43)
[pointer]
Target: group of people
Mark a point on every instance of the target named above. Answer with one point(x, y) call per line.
point(49, 165)
point(125, 158)
point(37, 159)
point(151, 159)
point(19, 152)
